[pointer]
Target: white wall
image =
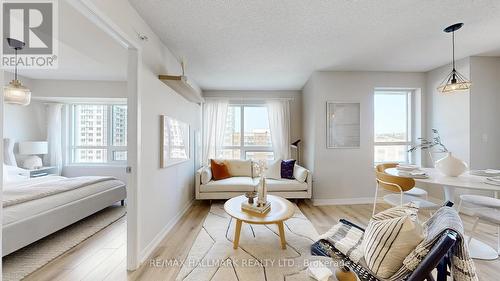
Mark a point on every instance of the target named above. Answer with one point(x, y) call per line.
point(345, 175)
point(308, 124)
point(467, 120)
point(163, 194)
point(295, 104)
point(485, 112)
point(449, 113)
point(79, 88)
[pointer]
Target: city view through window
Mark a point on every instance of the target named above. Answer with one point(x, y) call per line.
point(99, 133)
point(392, 126)
point(247, 134)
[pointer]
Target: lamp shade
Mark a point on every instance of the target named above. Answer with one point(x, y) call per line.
point(16, 93)
point(33, 147)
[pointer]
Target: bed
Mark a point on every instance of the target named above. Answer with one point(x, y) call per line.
point(34, 208)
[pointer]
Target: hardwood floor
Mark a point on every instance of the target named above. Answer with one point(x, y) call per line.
point(103, 256)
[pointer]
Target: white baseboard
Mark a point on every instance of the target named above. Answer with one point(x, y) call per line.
point(344, 201)
point(148, 250)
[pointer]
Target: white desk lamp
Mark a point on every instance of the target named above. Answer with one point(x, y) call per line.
point(33, 148)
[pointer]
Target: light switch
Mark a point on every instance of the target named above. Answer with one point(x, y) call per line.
point(485, 138)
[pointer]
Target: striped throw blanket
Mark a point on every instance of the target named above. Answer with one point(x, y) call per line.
point(463, 268)
point(348, 240)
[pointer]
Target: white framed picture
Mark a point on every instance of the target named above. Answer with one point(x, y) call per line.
point(343, 124)
point(175, 142)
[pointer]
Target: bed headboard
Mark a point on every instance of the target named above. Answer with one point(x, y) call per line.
point(8, 152)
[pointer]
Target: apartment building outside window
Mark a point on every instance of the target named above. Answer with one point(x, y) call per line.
point(247, 134)
point(393, 126)
point(98, 134)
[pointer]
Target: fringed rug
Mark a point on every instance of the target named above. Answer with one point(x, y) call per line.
point(259, 256)
point(30, 258)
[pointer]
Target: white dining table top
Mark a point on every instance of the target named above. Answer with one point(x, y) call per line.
point(465, 180)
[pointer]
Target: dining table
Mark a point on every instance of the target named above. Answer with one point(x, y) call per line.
point(435, 179)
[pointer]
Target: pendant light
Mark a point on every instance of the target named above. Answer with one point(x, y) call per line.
point(15, 92)
point(454, 81)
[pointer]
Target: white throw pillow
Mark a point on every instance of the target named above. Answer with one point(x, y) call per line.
point(239, 168)
point(206, 175)
point(299, 173)
point(390, 237)
point(274, 170)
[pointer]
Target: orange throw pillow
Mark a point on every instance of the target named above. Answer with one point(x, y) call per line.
point(219, 170)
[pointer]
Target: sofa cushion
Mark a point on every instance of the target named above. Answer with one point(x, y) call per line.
point(287, 169)
point(219, 170)
point(299, 173)
point(390, 236)
point(233, 184)
point(273, 169)
point(239, 168)
point(206, 175)
point(285, 185)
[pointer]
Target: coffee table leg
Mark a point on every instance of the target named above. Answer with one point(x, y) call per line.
point(281, 228)
point(237, 232)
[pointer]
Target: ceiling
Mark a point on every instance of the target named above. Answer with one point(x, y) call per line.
point(85, 51)
point(273, 44)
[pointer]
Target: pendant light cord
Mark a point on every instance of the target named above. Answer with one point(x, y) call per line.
point(15, 72)
point(453, 47)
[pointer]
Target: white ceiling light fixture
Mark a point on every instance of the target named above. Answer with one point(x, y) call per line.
point(15, 92)
point(455, 81)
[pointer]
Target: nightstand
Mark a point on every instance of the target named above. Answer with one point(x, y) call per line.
point(43, 171)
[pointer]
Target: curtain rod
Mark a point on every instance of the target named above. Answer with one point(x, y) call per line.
point(248, 98)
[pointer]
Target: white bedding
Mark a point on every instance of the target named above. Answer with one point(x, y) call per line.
point(25, 191)
point(28, 208)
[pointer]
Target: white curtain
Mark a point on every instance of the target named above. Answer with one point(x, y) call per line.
point(214, 124)
point(279, 124)
point(54, 136)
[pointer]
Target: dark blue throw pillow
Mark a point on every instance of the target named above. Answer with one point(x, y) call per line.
point(287, 169)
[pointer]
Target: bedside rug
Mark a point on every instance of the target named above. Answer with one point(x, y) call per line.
point(259, 256)
point(32, 257)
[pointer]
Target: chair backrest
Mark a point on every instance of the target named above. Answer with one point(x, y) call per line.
point(436, 258)
point(382, 167)
point(394, 183)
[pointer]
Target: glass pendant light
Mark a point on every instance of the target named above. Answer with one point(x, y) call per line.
point(15, 92)
point(454, 81)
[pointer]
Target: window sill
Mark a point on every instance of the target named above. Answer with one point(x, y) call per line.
point(97, 165)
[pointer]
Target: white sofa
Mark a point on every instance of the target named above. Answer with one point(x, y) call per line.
point(244, 178)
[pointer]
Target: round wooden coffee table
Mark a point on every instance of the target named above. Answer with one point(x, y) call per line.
point(281, 210)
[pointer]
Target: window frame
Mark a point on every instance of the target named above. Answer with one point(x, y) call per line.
point(110, 148)
point(244, 149)
point(410, 126)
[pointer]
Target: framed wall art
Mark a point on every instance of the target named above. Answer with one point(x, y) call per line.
point(343, 124)
point(175, 142)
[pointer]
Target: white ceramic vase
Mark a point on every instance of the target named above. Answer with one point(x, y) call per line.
point(451, 166)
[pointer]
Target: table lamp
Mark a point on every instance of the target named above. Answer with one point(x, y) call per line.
point(33, 148)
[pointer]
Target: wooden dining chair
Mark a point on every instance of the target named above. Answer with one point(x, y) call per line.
point(415, 191)
point(396, 184)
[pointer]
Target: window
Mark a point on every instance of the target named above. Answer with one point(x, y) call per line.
point(99, 134)
point(392, 126)
point(247, 134)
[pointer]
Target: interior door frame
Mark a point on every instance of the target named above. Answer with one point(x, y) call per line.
point(88, 9)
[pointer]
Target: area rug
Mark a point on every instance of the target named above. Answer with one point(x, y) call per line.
point(259, 256)
point(30, 258)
